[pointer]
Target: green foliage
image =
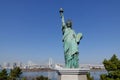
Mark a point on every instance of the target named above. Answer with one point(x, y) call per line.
point(89, 77)
point(3, 75)
point(24, 78)
point(112, 64)
point(103, 76)
point(15, 73)
point(113, 67)
point(42, 78)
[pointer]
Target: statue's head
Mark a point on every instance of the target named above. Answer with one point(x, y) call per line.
point(69, 24)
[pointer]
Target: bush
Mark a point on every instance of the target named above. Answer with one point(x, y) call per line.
point(24, 78)
point(42, 78)
point(113, 67)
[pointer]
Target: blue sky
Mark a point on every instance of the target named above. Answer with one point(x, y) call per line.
point(31, 29)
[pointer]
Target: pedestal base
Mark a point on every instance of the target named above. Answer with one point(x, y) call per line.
point(72, 74)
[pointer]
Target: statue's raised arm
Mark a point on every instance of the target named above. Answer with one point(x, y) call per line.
point(62, 18)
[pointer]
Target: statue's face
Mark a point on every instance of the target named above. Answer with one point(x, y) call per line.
point(69, 24)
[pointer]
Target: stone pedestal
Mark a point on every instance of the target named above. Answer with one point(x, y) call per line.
point(72, 74)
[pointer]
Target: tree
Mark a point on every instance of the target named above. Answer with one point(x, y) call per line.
point(113, 67)
point(15, 73)
point(3, 75)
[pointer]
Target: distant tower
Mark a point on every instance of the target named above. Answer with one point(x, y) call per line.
point(0, 67)
point(19, 64)
point(14, 64)
point(50, 63)
point(8, 65)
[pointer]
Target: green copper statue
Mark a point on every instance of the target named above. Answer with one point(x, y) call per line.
point(71, 41)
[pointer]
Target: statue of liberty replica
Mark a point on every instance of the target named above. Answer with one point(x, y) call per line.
point(71, 41)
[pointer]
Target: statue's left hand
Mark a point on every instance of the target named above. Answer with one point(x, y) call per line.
point(78, 37)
